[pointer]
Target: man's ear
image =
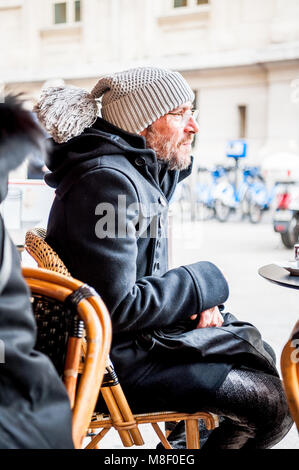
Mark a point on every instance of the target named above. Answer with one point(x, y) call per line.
point(143, 133)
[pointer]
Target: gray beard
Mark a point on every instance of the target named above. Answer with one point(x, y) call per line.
point(163, 148)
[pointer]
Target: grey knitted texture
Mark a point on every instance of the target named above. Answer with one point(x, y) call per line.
point(135, 98)
point(131, 100)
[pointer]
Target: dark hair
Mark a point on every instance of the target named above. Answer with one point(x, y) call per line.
point(20, 133)
point(16, 120)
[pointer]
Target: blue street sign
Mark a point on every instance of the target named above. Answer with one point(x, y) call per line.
point(236, 148)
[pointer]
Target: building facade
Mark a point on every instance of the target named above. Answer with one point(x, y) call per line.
point(241, 57)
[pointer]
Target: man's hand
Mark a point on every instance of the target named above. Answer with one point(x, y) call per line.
point(210, 317)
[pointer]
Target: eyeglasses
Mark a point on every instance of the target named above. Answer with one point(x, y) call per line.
point(184, 116)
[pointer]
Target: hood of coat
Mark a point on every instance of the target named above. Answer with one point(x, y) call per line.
point(102, 139)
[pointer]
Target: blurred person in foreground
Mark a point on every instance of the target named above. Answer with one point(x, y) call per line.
point(36, 168)
point(34, 407)
point(173, 346)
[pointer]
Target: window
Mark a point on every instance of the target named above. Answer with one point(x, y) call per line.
point(242, 121)
point(77, 10)
point(180, 3)
point(67, 12)
point(183, 11)
point(189, 3)
point(60, 13)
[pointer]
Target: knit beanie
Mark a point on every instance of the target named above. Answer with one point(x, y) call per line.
point(131, 100)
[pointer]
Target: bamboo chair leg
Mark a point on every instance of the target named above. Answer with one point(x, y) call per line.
point(192, 434)
point(93, 444)
point(116, 416)
point(126, 413)
point(161, 436)
point(72, 367)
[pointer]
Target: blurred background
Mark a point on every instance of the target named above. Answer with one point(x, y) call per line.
point(241, 58)
point(240, 207)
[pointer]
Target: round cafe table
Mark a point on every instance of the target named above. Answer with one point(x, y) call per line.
point(280, 276)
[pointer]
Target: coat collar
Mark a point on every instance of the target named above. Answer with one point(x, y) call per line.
point(69, 160)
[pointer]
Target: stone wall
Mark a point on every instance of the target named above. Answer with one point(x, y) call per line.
point(233, 52)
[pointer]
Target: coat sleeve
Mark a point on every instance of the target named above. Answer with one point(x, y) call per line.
point(109, 264)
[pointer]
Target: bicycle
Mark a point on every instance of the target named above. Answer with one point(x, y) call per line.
point(206, 190)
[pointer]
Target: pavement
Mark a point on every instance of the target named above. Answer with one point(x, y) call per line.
point(239, 249)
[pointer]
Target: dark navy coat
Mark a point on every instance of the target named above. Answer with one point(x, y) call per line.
point(103, 177)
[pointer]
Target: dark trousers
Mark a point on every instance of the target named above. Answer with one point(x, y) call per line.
point(251, 404)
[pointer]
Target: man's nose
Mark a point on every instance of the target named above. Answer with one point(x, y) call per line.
point(191, 126)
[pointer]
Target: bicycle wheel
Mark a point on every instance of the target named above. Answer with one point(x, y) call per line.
point(245, 204)
point(222, 211)
point(255, 213)
point(204, 212)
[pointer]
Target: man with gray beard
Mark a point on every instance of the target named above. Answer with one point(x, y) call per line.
point(114, 177)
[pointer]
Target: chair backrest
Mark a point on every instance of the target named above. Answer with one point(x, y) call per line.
point(289, 364)
point(57, 300)
point(43, 254)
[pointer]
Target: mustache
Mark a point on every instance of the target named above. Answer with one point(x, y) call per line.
point(188, 140)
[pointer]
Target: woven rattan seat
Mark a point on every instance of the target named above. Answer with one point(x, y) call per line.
point(54, 322)
point(120, 416)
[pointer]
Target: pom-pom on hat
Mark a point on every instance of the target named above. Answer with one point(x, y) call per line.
point(131, 100)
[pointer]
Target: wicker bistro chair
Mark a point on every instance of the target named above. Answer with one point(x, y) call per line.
point(58, 302)
point(289, 364)
point(120, 416)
